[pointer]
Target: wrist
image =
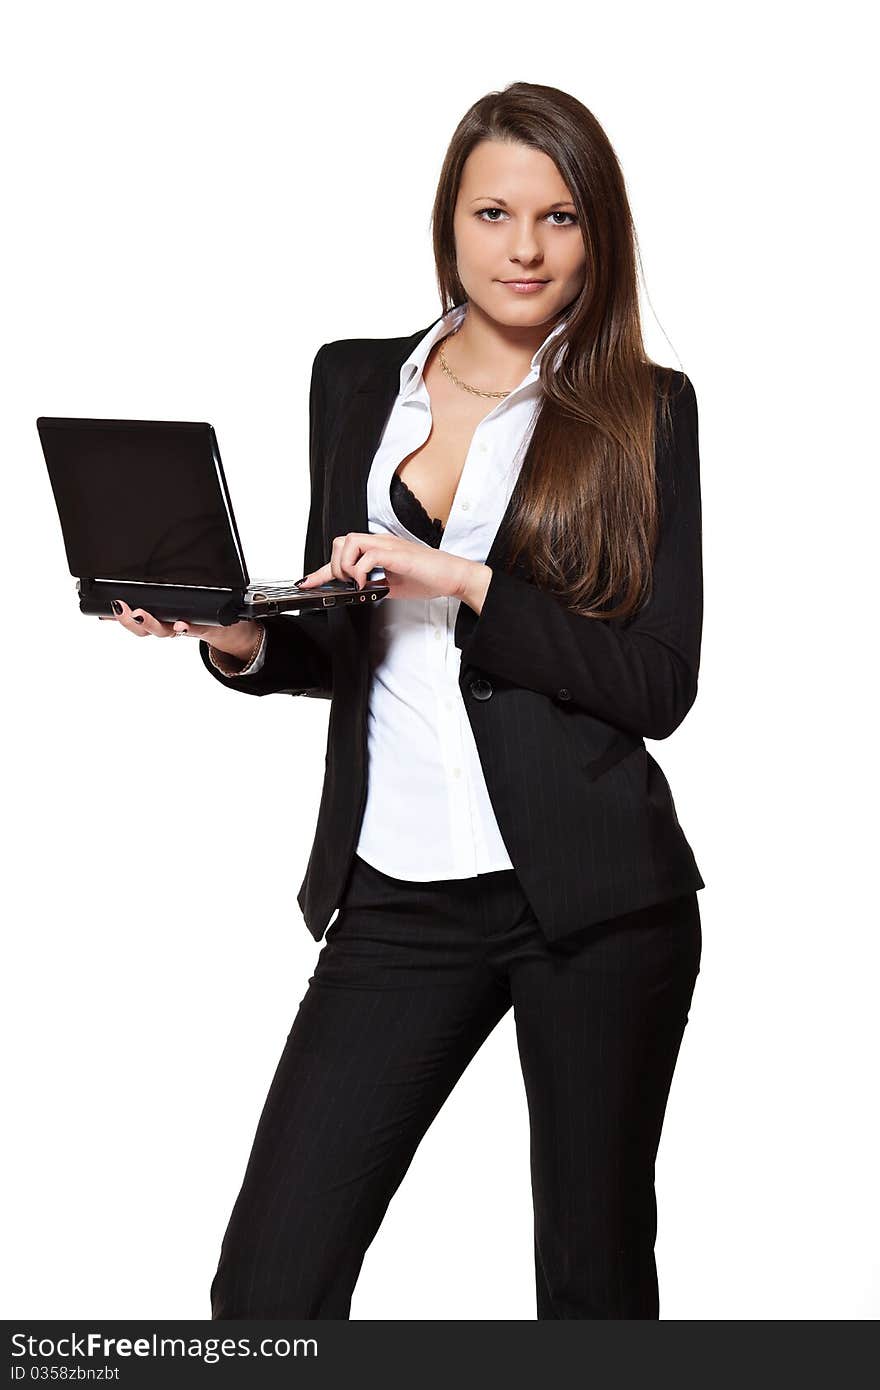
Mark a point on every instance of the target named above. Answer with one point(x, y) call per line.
point(246, 651)
point(477, 580)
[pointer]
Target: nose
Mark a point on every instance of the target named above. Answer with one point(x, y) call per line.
point(525, 250)
point(524, 245)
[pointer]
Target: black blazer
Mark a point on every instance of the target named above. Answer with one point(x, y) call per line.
point(559, 704)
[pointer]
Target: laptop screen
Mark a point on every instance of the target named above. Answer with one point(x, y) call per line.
point(143, 500)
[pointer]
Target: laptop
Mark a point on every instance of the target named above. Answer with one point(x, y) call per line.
point(146, 516)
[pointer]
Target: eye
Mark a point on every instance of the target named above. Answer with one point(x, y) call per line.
point(557, 212)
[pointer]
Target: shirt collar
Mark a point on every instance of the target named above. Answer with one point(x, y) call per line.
point(412, 368)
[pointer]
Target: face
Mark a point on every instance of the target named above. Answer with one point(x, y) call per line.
point(514, 220)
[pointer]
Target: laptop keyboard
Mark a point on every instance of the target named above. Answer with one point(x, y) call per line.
point(273, 590)
point(270, 590)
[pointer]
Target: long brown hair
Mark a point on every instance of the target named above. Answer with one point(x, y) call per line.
point(585, 509)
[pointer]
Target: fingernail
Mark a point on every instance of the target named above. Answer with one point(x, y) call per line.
point(117, 606)
point(137, 618)
point(301, 581)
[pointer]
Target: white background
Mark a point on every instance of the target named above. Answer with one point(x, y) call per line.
point(197, 197)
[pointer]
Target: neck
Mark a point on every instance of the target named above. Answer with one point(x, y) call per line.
point(493, 356)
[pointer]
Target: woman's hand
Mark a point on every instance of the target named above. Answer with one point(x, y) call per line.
point(236, 639)
point(412, 569)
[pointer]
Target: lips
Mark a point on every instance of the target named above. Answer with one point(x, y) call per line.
point(524, 286)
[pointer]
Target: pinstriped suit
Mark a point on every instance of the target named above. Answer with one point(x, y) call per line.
point(559, 705)
point(413, 976)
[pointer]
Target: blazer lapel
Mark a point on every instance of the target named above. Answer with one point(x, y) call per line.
point(358, 436)
point(358, 439)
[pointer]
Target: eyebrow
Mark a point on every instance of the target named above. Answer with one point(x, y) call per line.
point(566, 202)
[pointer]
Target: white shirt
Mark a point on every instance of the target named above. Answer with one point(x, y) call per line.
point(428, 814)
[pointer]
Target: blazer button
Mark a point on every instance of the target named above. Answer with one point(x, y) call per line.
point(481, 690)
point(564, 694)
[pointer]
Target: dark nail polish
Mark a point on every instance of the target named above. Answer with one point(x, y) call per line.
point(116, 605)
point(137, 618)
point(299, 581)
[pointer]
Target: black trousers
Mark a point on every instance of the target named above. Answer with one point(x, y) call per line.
point(410, 980)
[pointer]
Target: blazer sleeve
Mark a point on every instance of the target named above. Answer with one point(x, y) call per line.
point(640, 675)
point(296, 648)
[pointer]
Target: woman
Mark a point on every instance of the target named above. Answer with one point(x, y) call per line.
point(529, 482)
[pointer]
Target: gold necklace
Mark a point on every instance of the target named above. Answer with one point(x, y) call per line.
point(494, 395)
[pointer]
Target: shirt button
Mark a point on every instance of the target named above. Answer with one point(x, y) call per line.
point(437, 633)
point(483, 448)
point(456, 772)
point(564, 694)
point(465, 506)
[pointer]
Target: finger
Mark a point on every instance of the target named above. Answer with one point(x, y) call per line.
point(126, 618)
point(367, 561)
point(139, 621)
point(336, 558)
point(183, 628)
point(320, 576)
point(151, 625)
point(349, 553)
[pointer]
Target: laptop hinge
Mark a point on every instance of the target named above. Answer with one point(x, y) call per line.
point(161, 584)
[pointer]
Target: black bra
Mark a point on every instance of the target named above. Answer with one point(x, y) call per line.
point(409, 510)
